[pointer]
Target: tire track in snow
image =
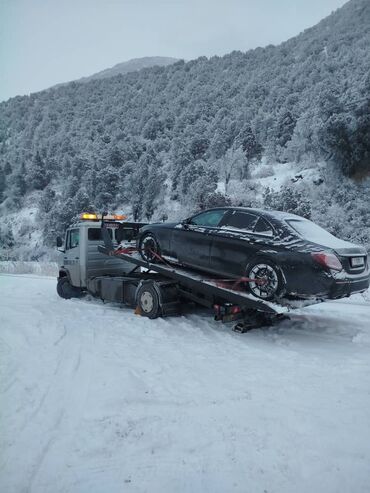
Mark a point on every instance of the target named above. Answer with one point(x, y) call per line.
point(62, 336)
point(45, 449)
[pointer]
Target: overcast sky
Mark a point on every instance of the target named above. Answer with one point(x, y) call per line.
point(44, 42)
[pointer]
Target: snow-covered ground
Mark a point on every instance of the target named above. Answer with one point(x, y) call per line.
point(95, 399)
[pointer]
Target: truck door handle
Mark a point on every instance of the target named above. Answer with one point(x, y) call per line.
point(76, 258)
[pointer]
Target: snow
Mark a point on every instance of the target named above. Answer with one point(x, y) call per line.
point(29, 267)
point(96, 399)
point(285, 173)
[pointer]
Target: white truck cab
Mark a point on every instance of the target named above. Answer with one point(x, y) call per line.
point(79, 258)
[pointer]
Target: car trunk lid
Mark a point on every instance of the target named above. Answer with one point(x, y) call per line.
point(353, 259)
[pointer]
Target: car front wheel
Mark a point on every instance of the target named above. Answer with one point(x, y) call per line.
point(149, 248)
point(267, 280)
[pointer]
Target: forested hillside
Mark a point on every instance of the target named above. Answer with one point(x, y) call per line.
point(168, 140)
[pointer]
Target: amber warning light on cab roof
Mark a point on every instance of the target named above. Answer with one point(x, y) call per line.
point(88, 216)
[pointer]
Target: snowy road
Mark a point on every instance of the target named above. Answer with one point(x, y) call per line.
point(95, 399)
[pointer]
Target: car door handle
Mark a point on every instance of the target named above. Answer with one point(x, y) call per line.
point(76, 258)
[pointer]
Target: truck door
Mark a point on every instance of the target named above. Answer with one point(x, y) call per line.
point(72, 256)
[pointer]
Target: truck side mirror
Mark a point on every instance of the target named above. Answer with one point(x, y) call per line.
point(59, 242)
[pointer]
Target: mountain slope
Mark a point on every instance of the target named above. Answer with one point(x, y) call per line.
point(184, 136)
point(131, 66)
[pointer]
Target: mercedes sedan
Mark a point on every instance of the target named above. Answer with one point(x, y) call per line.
point(277, 254)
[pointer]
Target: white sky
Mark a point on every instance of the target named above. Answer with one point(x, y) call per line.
point(44, 42)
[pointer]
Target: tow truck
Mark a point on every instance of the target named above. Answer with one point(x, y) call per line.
point(99, 256)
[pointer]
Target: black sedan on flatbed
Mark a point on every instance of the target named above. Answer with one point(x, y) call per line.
point(280, 253)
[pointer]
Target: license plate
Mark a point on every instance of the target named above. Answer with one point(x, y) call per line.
point(357, 261)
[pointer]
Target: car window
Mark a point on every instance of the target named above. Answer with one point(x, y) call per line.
point(94, 234)
point(209, 218)
point(263, 227)
point(241, 220)
point(74, 238)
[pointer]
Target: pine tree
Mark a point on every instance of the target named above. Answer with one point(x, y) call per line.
point(37, 176)
point(47, 200)
point(2, 184)
point(19, 186)
point(82, 201)
point(7, 169)
point(251, 147)
point(7, 240)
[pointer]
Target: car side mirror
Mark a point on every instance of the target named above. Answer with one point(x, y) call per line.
point(185, 223)
point(59, 242)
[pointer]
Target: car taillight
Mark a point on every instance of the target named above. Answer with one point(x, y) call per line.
point(328, 260)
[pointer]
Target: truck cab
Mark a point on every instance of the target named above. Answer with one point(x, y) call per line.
point(79, 258)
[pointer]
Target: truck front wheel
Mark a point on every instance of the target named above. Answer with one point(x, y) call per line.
point(66, 290)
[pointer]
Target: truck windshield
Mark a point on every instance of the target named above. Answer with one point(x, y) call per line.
point(94, 234)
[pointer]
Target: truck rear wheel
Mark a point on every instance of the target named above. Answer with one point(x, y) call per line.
point(66, 290)
point(148, 301)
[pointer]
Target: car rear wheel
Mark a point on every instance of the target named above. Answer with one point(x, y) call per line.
point(267, 279)
point(149, 248)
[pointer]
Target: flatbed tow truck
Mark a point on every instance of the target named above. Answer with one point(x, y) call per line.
point(99, 257)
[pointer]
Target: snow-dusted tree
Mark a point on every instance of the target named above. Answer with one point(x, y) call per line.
point(82, 201)
point(65, 213)
point(233, 162)
point(199, 182)
point(37, 176)
point(2, 184)
point(155, 189)
point(251, 147)
point(7, 241)
point(282, 133)
point(7, 168)
point(47, 200)
point(19, 186)
point(288, 199)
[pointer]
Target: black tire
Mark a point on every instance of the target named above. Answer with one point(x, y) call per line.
point(66, 290)
point(149, 248)
point(148, 301)
point(264, 268)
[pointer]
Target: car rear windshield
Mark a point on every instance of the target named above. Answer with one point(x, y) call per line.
point(312, 232)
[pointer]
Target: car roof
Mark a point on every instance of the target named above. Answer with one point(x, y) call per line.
point(271, 214)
